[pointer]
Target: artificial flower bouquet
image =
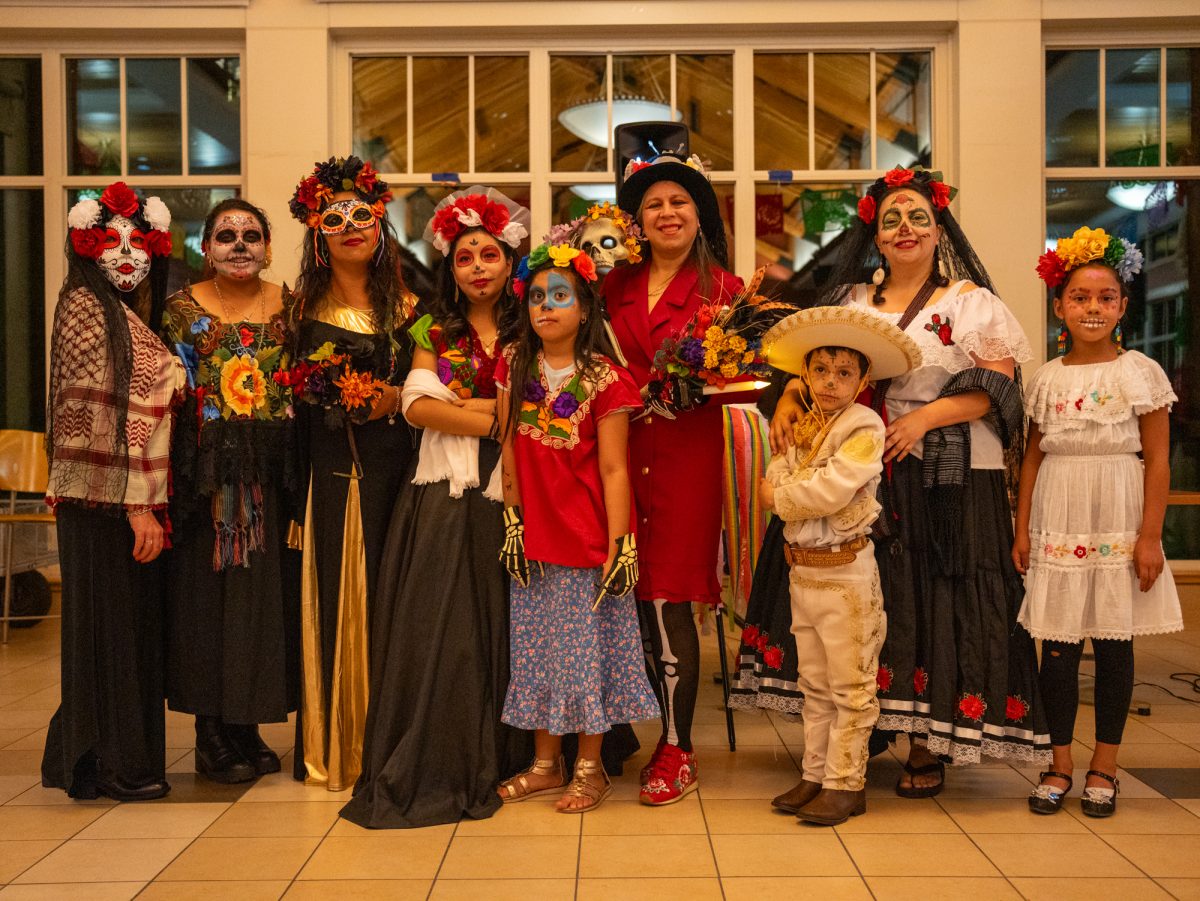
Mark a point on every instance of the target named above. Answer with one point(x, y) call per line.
point(718, 350)
point(327, 379)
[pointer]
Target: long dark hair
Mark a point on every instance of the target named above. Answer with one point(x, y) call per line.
point(449, 308)
point(859, 255)
point(591, 341)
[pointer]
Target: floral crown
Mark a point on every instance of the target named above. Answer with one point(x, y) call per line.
point(338, 174)
point(477, 207)
point(570, 232)
point(1089, 245)
point(940, 193)
point(637, 163)
point(546, 256)
point(86, 220)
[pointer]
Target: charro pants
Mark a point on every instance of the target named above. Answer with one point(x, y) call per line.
point(838, 624)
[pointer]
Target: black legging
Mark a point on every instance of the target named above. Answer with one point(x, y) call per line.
point(1060, 687)
point(673, 662)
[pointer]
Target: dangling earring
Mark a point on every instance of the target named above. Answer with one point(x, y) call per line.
point(321, 261)
point(267, 258)
point(1062, 338)
point(1118, 337)
point(378, 242)
point(878, 276)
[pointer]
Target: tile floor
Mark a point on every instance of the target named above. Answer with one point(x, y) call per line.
point(279, 838)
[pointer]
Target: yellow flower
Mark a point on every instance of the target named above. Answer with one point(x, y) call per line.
point(737, 344)
point(729, 370)
point(713, 336)
point(710, 359)
point(562, 254)
point(1085, 245)
point(242, 385)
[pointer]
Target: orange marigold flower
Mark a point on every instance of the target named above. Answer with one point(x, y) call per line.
point(358, 389)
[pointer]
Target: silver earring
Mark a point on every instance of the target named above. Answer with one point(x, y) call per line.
point(878, 276)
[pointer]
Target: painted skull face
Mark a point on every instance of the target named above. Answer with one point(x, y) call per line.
point(604, 242)
point(238, 247)
point(124, 261)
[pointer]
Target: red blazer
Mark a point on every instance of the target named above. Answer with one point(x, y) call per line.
point(674, 465)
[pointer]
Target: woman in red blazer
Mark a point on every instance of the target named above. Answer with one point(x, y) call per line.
point(675, 465)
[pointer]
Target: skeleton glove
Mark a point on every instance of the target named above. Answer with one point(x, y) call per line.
point(622, 575)
point(512, 553)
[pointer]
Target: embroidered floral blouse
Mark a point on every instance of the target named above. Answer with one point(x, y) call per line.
point(464, 366)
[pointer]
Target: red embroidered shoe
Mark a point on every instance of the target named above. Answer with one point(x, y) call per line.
point(673, 775)
point(653, 762)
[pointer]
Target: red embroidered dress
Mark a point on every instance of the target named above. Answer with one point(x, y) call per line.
point(464, 366)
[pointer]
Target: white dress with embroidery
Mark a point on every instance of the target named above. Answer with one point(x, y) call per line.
point(1087, 503)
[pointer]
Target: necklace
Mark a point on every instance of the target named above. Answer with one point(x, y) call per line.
point(662, 286)
point(262, 312)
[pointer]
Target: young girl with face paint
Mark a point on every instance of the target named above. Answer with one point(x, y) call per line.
point(233, 660)
point(113, 389)
point(577, 662)
point(435, 747)
point(1090, 513)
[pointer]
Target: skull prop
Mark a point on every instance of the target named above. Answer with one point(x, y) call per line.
point(609, 236)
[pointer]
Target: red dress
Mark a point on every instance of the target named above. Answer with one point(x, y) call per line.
point(674, 465)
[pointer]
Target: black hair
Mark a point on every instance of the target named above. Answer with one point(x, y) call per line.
point(231, 204)
point(591, 341)
point(449, 307)
point(833, 350)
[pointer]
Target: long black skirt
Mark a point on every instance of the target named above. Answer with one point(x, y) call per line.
point(233, 636)
point(435, 748)
point(954, 665)
point(111, 722)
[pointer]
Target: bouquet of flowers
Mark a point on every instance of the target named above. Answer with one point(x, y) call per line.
point(327, 379)
point(715, 351)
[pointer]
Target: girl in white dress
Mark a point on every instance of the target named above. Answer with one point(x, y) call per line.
point(1090, 512)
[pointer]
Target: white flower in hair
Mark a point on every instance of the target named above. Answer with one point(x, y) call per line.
point(469, 218)
point(84, 214)
point(513, 233)
point(157, 214)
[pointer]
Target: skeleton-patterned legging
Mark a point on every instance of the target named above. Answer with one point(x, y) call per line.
point(673, 662)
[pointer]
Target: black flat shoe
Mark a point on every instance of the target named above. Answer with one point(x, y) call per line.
point(250, 745)
point(216, 758)
point(1097, 802)
point(120, 790)
point(1047, 799)
point(923, 791)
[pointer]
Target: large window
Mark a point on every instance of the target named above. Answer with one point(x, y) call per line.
point(1110, 112)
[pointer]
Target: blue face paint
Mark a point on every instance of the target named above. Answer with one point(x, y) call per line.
point(558, 293)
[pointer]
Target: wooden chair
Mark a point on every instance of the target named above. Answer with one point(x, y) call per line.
point(23, 470)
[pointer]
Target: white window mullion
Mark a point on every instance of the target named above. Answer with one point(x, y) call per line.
point(812, 112)
point(471, 113)
point(874, 113)
point(608, 98)
point(408, 114)
point(184, 160)
point(540, 190)
point(743, 162)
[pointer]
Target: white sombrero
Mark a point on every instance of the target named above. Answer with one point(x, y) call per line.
point(891, 351)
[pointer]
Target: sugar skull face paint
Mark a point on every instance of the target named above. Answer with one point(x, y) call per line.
point(555, 292)
point(907, 231)
point(554, 309)
point(124, 261)
point(237, 248)
point(342, 215)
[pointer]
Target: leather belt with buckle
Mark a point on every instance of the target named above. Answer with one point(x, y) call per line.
point(838, 555)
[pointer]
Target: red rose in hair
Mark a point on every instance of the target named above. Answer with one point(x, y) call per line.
point(920, 680)
point(495, 217)
point(773, 657)
point(446, 224)
point(119, 198)
point(897, 177)
point(972, 707)
point(585, 267)
point(306, 192)
point(365, 180)
point(88, 242)
point(476, 202)
point(866, 209)
point(941, 194)
point(158, 244)
point(637, 166)
point(1050, 269)
point(1015, 708)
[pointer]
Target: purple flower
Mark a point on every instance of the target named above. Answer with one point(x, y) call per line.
point(315, 385)
point(534, 391)
point(564, 405)
point(691, 351)
point(445, 371)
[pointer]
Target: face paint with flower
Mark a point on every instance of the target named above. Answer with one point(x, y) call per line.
point(124, 260)
point(238, 247)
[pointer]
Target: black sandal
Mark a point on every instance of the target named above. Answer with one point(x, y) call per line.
point(1100, 805)
point(924, 791)
point(1048, 798)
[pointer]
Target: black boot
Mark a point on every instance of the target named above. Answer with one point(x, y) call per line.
point(216, 758)
point(251, 746)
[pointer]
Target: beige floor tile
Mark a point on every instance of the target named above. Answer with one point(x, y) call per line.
point(51, 821)
point(275, 818)
point(1188, 733)
point(1057, 888)
point(45, 700)
point(360, 890)
point(1064, 856)
point(1153, 732)
point(634, 818)
point(390, 854)
point(1144, 816)
point(20, 763)
point(756, 817)
point(154, 821)
point(905, 888)
point(17, 856)
point(225, 890)
point(12, 786)
point(1184, 889)
point(749, 774)
point(536, 816)
point(900, 815)
point(10, 735)
point(667, 856)
point(917, 855)
point(282, 787)
point(39, 796)
point(749, 735)
point(986, 815)
point(1154, 856)
point(31, 720)
point(1190, 804)
point(812, 851)
point(827, 888)
point(110, 860)
point(240, 859)
point(686, 889)
point(511, 857)
point(503, 889)
point(1149, 755)
point(34, 741)
point(984, 782)
point(91, 891)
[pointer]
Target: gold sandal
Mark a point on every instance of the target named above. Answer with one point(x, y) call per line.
point(580, 787)
point(517, 788)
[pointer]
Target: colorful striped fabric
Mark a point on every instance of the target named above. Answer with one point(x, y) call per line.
point(746, 456)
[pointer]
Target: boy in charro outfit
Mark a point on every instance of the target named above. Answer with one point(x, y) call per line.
point(823, 489)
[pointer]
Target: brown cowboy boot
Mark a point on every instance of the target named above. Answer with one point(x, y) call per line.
point(795, 798)
point(833, 807)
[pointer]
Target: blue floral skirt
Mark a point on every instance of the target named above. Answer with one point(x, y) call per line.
point(573, 670)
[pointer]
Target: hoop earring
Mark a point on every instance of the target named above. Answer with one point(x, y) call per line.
point(1118, 337)
point(1062, 338)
